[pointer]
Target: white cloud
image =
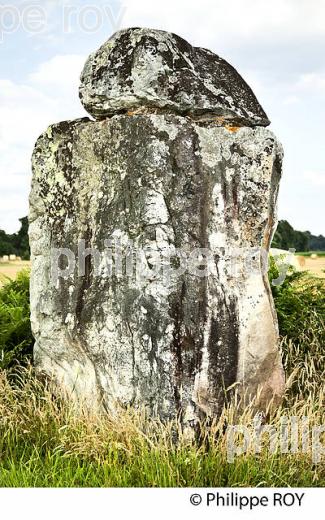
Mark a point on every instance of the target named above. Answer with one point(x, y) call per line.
point(50, 94)
point(315, 178)
point(60, 74)
point(312, 81)
point(291, 100)
point(231, 20)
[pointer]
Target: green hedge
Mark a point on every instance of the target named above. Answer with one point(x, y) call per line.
point(16, 340)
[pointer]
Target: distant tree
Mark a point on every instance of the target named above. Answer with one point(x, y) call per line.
point(6, 245)
point(317, 243)
point(16, 244)
point(287, 237)
point(23, 240)
point(301, 241)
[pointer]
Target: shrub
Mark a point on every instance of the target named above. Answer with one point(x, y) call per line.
point(16, 340)
point(300, 306)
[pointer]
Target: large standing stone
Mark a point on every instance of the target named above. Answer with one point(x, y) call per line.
point(173, 342)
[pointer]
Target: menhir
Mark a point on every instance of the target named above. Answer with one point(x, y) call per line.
point(149, 228)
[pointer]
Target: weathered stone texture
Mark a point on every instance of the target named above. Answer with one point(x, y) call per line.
point(187, 187)
point(141, 68)
point(167, 182)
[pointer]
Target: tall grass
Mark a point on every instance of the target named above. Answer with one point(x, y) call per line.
point(43, 442)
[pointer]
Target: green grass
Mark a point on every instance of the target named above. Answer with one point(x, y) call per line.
point(309, 253)
point(150, 469)
point(45, 443)
point(42, 443)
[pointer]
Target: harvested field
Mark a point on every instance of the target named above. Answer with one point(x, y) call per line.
point(11, 269)
point(313, 265)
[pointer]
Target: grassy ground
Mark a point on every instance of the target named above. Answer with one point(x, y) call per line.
point(43, 442)
point(315, 266)
point(11, 269)
point(309, 253)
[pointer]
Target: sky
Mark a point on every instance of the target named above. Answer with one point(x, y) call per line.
point(278, 47)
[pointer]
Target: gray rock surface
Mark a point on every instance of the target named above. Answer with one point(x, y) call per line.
point(165, 182)
point(145, 68)
point(147, 232)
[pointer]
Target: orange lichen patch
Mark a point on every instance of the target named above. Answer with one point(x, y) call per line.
point(135, 111)
point(232, 128)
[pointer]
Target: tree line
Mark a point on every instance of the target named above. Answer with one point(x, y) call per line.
point(287, 237)
point(17, 243)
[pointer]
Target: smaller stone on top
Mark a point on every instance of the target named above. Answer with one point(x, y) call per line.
point(145, 69)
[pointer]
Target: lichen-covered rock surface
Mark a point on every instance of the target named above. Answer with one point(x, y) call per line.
point(140, 68)
point(171, 339)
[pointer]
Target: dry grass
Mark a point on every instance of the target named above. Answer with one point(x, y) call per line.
point(315, 266)
point(11, 269)
point(44, 442)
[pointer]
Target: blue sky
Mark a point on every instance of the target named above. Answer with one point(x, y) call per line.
point(278, 47)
